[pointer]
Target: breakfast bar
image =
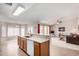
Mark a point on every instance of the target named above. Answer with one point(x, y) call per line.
point(34, 46)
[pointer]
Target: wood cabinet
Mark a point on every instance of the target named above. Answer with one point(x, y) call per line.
point(41, 49)
point(19, 41)
point(34, 48)
point(37, 49)
point(25, 45)
point(22, 43)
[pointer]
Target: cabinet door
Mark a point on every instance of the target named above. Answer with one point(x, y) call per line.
point(18, 40)
point(41, 49)
point(22, 44)
point(45, 48)
point(25, 45)
point(37, 51)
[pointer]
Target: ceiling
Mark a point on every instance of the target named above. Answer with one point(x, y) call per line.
point(47, 13)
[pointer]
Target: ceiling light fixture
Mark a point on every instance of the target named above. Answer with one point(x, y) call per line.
point(18, 11)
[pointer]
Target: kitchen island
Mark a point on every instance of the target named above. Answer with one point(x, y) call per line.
point(34, 46)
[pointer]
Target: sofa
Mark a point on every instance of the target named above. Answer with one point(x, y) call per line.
point(73, 39)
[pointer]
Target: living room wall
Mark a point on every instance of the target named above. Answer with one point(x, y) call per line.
point(68, 23)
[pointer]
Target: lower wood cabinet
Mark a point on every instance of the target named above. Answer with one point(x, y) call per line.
point(37, 51)
point(41, 49)
point(25, 46)
point(34, 48)
point(19, 41)
point(22, 43)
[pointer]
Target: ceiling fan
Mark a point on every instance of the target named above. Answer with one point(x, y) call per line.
point(59, 21)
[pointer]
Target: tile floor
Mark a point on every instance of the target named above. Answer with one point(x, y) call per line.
point(10, 48)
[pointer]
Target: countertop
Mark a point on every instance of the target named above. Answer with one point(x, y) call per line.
point(39, 40)
point(59, 43)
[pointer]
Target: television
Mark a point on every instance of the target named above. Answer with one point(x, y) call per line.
point(61, 29)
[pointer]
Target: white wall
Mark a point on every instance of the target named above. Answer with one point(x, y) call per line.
point(69, 24)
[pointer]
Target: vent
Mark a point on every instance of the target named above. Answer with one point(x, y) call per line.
point(10, 4)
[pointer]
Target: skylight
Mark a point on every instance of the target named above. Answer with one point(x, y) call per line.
point(18, 11)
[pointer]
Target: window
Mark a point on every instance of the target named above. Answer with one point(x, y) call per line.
point(30, 29)
point(44, 29)
point(22, 30)
point(41, 29)
point(13, 31)
point(4, 29)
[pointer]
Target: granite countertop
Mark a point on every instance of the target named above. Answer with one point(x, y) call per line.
point(39, 40)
